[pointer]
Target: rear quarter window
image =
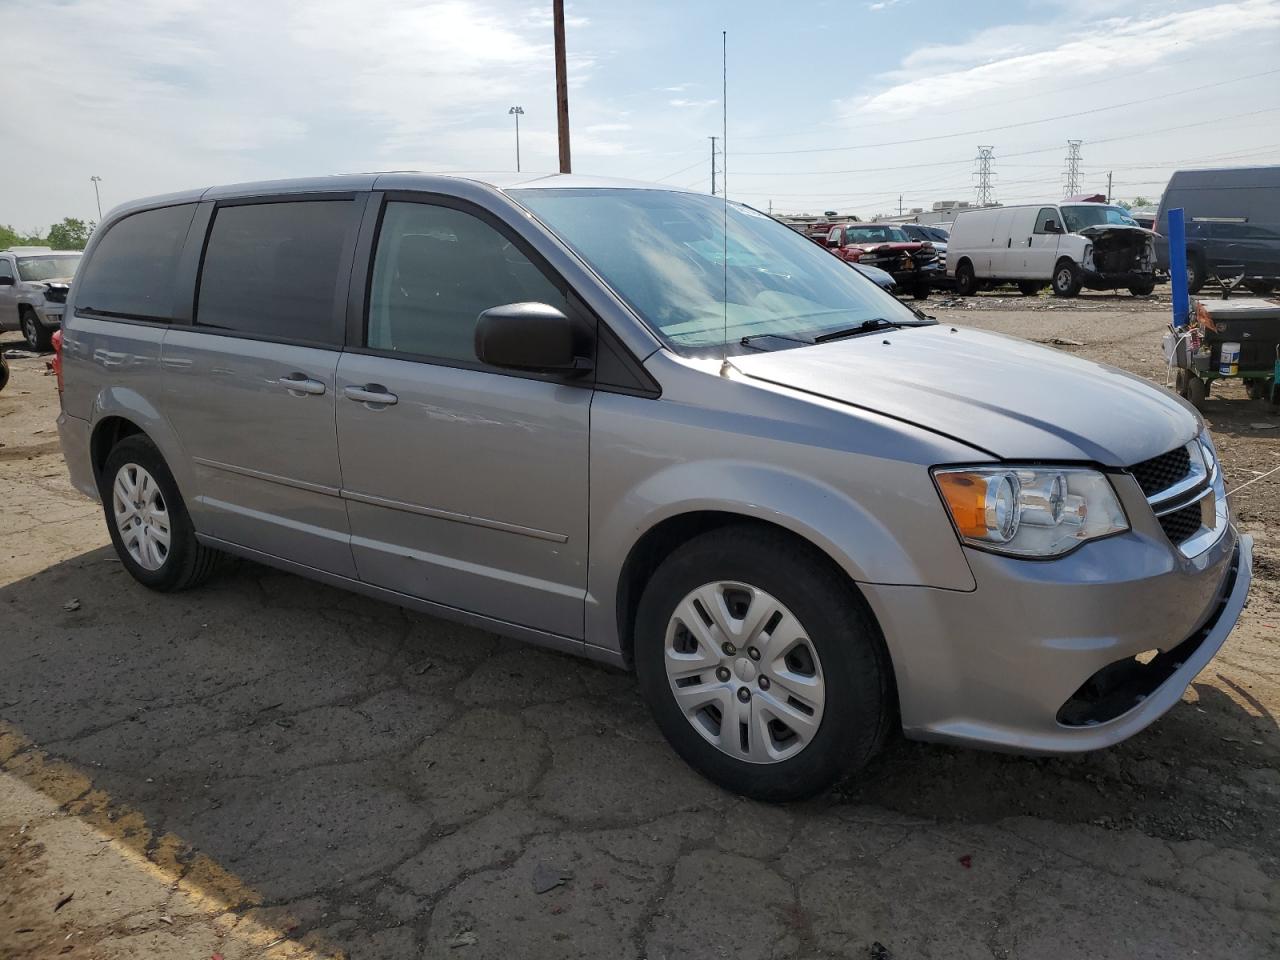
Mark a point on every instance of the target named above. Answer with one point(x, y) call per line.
point(273, 269)
point(132, 270)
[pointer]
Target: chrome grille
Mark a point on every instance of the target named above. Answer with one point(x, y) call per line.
point(1162, 472)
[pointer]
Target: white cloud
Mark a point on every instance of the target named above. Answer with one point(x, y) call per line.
point(682, 104)
point(1019, 57)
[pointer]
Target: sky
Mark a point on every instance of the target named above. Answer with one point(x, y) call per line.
point(844, 106)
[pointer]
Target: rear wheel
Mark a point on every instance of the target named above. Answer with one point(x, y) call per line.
point(1260, 287)
point(1066, 279)
point(1195, 272)
point(966, 282)
point(34, 332)
point(1143, 289)
point(761, 664)
point(148, 521)
point(1029, 288)
point(920, 291)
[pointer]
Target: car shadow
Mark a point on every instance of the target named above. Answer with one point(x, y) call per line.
point(314, 742)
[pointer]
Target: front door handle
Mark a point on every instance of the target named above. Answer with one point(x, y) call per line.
point(300, 385)
point(374, 394)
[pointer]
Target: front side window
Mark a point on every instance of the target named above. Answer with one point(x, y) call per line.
point(1044, 216)
point(5, 269)
point(274, 269)
point(133, 267)
point(48, 268)
point(1078, 216)
point(665, 254)
point(435, 271)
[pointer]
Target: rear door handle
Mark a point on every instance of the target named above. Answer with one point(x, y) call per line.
point(374, 394)
point(300, 385)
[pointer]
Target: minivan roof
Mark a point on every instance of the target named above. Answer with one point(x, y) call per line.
point(388, 180)
point(1264, 176)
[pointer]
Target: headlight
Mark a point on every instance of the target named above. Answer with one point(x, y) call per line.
point(1030, 511)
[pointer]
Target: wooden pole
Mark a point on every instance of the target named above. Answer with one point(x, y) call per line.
point(562, 88)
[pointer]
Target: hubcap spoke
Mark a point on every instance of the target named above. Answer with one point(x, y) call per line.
point(749, 681)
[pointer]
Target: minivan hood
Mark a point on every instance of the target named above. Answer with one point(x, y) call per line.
point(1007, 397)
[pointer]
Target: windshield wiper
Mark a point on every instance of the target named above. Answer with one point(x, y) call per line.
point(750, 341)
point(866, 326)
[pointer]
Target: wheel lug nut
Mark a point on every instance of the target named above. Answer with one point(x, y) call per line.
point(753, 653)
point(764, 683)
point(729, 649)
point(722, 674)
point(744, 694)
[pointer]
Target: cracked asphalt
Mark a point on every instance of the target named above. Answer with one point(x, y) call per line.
point(269, 767)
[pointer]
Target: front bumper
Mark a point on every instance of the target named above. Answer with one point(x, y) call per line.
point(50, 314)
point(1093, 280)
point(1003, 666)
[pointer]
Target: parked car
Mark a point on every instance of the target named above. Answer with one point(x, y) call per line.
point(33, 290)
point(1066, 246)
point(1232, 217)
point(938, 237)
point(912, 263)
point(881, 278)
point(554, 408)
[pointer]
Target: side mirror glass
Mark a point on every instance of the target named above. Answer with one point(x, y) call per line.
point(6, 281)
point(534, 337)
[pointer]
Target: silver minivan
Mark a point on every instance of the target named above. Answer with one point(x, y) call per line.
point(661, 431)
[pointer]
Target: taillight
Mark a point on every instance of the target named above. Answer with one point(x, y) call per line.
point(57, 358)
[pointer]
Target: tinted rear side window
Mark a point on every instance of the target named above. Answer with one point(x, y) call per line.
point(132, 270)
point(274, 269)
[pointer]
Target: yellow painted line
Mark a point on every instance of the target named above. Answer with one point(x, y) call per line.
point(206, 888)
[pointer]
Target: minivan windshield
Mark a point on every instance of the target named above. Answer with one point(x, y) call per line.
point(48, 268)
point(665, 254)
point(1081, 215)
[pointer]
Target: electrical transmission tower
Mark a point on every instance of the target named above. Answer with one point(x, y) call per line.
point(1071, 178)
point(986, 191)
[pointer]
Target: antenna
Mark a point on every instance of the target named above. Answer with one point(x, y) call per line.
point(724, 185)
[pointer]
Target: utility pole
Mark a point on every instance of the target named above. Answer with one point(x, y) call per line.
point(1071, 177)
point(1108, 186)
point(517, 112)
point(562, 87)
point(985, 193)
point(97, 196)
point(713, 164)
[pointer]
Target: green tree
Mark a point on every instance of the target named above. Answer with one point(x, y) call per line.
point(9, 237)
point(70, 234)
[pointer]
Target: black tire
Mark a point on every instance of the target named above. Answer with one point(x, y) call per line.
point(859, 701)
point(1143, 289)
point(920, 291)
point(1066, 279)
point(1260, 287)
point(1029, 288)
point(966, 281)
point(188, 562)
point(1192, 388)
point(4, 373)
point(1196, 272)
point(38, 336)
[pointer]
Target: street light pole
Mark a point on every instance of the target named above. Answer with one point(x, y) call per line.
point(517, 112)
point(97, 196)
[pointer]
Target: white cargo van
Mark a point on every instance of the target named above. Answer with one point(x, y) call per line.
point(1067, 246)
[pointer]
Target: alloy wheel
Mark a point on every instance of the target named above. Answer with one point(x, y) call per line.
point(141, 516)
point(744, 672)
point(30, 332)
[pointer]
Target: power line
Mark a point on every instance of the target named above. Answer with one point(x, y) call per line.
point(1012, 126)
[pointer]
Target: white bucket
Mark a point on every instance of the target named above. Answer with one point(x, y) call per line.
point(1229, 360)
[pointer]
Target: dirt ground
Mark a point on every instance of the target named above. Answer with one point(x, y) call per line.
point(267, 767)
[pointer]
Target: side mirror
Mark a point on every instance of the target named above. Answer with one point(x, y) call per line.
point(1051, 226)
point(835, 244)
point(533, 337)
point(6, 281)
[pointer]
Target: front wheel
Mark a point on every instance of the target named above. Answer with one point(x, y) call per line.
point(38, 337)
point(920, 291)
point(1066, 279)
point(761, 664)
point(148, 521)
point(1029, 288)
point(1142, 289)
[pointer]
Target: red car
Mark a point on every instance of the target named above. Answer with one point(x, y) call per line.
point(913, 264)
